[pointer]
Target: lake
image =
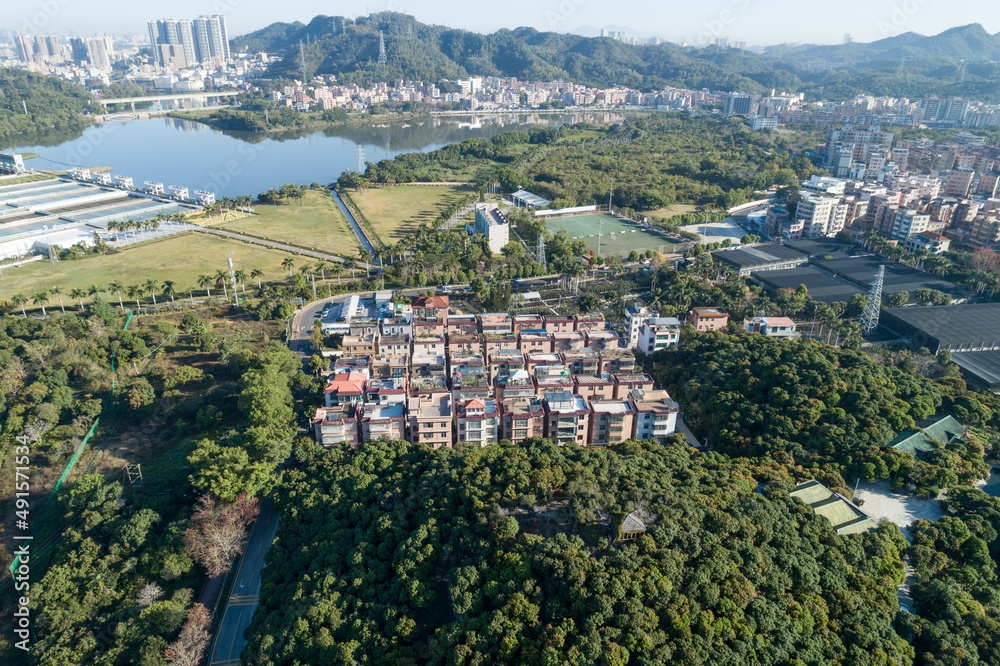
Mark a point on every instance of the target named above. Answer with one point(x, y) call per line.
point(199, 157)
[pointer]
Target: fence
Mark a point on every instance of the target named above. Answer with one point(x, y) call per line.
point(79, 449)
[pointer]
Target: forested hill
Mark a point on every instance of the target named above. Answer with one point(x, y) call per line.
point(52, 104)
point(416, 51)
point(403, 555)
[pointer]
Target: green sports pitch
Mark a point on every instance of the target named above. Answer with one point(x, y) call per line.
point(618, 237)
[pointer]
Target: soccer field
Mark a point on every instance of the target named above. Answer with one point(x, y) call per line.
point(617, 237)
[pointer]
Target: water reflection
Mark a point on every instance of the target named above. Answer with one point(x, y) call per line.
point(200, 157)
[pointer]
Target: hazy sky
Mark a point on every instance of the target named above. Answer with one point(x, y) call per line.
point(755, 21)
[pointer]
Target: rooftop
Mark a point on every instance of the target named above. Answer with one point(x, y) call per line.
point(951, 325)
point(845, 517)
point(760, 256)
point(611, 406)
point(940, 428)
point(430, 301)
point(390, 411)
point(530, 198)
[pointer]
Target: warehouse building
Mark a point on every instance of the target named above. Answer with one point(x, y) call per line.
point(767, 257)
point(957, 328)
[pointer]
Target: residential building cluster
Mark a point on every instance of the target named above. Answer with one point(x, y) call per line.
point(425, 374)
point(920, 194)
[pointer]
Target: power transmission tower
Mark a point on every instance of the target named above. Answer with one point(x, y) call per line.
point(873, 304)
point(53, 255)
point(540, 252)
point(382, 61)
point(361, 159)
point(134, 474)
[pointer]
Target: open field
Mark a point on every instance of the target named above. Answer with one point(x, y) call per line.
point(671, 210)
point(396, 211)
point(180, 258)
point(617, 236)
point(317, 224)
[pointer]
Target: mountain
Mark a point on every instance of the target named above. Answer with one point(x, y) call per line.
point(969, 42)
point(906, 65)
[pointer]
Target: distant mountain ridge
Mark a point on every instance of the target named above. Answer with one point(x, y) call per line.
point(960, 61)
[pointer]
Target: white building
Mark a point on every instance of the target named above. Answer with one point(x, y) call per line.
point(928, 240)
point(658, 333)
point(478, 422)
point(633, 323)
point(491, 223)
point(908, 223)
point(655, 414)
point(821, 215)
point(774, 327)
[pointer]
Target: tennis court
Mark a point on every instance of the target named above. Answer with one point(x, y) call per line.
point(618, 237)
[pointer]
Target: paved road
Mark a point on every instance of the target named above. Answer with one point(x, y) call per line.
point(243, 597)
point(688, 435)
point(269, 243)
point(362, 238)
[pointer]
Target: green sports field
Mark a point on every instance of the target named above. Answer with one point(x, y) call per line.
point(618, 237)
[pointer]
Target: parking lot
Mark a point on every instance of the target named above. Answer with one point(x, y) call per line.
point(879, 501)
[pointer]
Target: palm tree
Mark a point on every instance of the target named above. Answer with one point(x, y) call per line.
point(257, 274)
point(41, 298)
point(19, 300)
point(220, 280)
point(78, 294)
point(206, 282)
point(288, 262)
point(241, 276)
point(94, 290)
point(364, 256)
point(135, 291)
point(149, 286)
point(117, 287)
point(57, 291)
point(169, 290)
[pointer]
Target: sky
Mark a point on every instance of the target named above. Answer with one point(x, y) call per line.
point(758, 22)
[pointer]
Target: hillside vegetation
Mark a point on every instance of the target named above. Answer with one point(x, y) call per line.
point(416, 51)
point(53, 105)
point(404, 555)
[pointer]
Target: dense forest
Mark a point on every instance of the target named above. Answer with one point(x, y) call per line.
point(203, 404)
point(821, 407)
point(53, 106)
point(400, 554)
point(348, 48)
point(656, 160)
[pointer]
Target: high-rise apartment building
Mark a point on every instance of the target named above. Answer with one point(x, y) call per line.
point(201, 40)
point(944, 110)
point(39, 49)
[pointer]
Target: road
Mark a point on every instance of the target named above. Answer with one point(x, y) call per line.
point(274, 244)
point(243, 597)
point(362, 238)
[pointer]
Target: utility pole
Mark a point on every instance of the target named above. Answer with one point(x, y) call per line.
point(232, 275)
point(610, 193)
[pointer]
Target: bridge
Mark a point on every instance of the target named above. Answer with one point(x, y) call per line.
point(169, 98)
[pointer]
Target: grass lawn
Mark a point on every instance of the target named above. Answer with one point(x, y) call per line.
point(317, 224)
point(179, 258)
point(396, 211)
point(30, 178)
